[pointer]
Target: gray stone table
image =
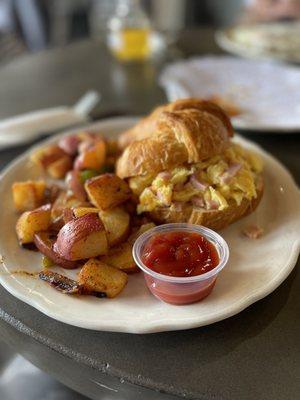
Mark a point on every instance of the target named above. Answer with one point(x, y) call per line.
point(251, 356)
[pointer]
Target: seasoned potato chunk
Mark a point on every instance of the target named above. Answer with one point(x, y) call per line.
point(107, 191)
point(96, 276)
point(47, 155)
point(116, 223)
point(31, 222)
point(60, 167)
point(92, 157)
point(53, 160)
point(28, 195)
point(121, 257)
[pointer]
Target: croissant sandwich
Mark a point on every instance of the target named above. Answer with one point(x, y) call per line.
point(187, 169)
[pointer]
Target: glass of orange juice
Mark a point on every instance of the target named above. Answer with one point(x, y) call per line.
point(129, 32)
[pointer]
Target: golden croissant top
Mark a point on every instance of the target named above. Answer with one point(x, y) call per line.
point(184, 131)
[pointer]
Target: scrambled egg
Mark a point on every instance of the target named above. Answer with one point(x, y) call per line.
point(217, 180)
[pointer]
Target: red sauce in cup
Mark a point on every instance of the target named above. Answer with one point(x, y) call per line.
point(180, 261)
point(180, 254)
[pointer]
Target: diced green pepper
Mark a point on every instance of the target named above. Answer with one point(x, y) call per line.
point(47, 262)
point(87, 174)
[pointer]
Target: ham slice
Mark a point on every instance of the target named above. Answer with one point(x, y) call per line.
point(230, 173)
point(253, 231)
point(197, 184)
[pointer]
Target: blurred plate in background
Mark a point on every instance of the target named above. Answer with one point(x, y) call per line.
point(278, 40)
point(265, 95)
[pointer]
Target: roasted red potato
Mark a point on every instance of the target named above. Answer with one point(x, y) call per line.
point(107, 191)
point(81, 238)
point(93, 157)
point(121, 257)
point(28, 195)
point(44, 243)
point(95, 276)
point(31, 222)
point(74, 184)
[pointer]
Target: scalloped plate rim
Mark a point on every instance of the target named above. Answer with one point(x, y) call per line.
point(155, 325)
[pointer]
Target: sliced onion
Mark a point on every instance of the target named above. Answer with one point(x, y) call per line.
point(165, 175)
point(161, 197)
point(230, 172)
point(212, 204)
point(198, 201)
point(78, 163)
point(177, 206)
point(178, 187)
point(85, 145)
point(197, 184)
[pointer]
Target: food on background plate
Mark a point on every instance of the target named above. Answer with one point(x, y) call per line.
point(186, 169)
point(189, 170)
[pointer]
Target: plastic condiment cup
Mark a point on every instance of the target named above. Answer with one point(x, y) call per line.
point(181, 290)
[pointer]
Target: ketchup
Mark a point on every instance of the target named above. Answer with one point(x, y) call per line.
point(180, 254)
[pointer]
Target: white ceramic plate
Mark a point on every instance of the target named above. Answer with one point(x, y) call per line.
point(268, 94)
point(271, 41)
point(255, 268)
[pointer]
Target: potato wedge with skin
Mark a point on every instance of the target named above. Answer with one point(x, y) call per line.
point(83, 237)
point(28, 195)
point(96, 276)
point(80, 211)
point(116, 222)
point(121, 257)
point(31, 222)
point(107, 191)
